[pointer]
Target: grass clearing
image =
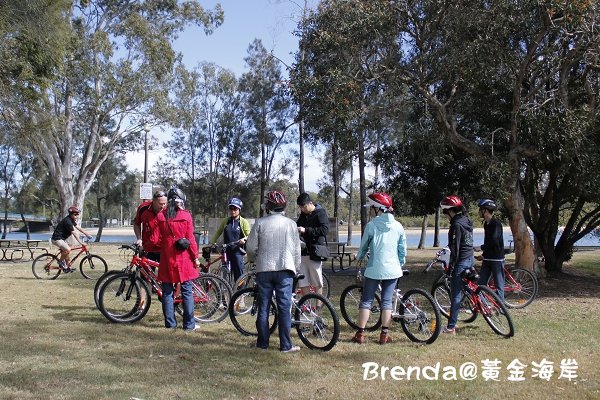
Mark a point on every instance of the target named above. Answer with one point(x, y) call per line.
point(57, 345)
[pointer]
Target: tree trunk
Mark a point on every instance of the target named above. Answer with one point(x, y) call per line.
point(423, 232)
point(524, 251)
point(363, 195)
point(350, 222)
point(436, 229)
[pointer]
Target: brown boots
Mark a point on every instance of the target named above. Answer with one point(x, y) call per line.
point(359, 337)
point(384, 338)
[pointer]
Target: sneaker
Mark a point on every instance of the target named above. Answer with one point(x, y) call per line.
point(195, 328)
point(384, 338)
point(449, 331)
point(71, 269)
point(63, 266)
point(359, 337)
point(292, 349)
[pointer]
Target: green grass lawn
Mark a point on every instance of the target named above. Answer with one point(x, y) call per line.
point(56, 345)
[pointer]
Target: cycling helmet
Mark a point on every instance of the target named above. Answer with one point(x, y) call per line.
point(275, 200)
point(380, 200)
point(236, 202)
point(74, 210)
point(176, 193)
point(487, 204)
point(451, 202)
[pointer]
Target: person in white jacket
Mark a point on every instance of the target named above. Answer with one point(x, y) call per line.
point(274, 245)
point(385, 241)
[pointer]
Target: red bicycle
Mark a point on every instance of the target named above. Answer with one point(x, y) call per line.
point(125, 296)
point(91, 266)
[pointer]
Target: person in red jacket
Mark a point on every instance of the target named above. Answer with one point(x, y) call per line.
point(178, 258)
point(145, 224)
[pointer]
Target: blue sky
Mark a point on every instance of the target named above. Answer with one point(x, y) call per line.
point(272, 21)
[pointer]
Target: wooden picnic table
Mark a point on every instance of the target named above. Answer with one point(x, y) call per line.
point(14, 250)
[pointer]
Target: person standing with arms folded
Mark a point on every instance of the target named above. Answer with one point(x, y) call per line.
point(492, 247)
point(385, 241)
point(274, 246)
point(178, 258)
point(234, 228)
point(145, 225)
point(460, 242)
point(313, 225)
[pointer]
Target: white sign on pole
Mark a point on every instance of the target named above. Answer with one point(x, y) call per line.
point(145, 191)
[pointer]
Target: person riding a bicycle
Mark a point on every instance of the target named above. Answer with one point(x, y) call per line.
point(65, 229)
point(234, 228)
point(385, 241)
point(492, 247)
point(460, 242)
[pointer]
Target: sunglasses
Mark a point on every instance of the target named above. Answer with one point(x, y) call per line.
point(159, 194)
point(74, 213)
point(233, 208)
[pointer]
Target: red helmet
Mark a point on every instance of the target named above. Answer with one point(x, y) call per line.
point(450, 202)
point(380, 200)
point(275, 200)
point(74, 210)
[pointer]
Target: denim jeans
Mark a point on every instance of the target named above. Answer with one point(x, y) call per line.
point(456, 289)
point(495, 269)
point(369, 289)
point(187, 305)
point(236, 261)
point(281, 282)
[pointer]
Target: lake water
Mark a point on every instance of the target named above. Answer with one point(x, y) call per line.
point(412, 237)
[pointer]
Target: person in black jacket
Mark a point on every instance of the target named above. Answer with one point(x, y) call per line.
point(492, 247)
point(313, 225)
point(460, 242)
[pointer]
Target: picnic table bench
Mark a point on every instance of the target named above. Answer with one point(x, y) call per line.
point(15, 250)
point(340, 258)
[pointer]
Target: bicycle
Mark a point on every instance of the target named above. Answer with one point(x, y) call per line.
point(313, 316)
point(477, 299)
point(248, 279)
point(415, 310)
point(126, 297)
point(91, 266)
point(224, 270)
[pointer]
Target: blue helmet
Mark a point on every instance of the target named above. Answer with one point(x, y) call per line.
point(236, 203)
point(487, 204)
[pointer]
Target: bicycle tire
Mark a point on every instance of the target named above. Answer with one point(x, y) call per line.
point(247, 279)
point(326, 286)
point(521, 289)
point(212, 295)
point(441, 297)
point(99, 284)
point(495, 312)
point(349, 301)
point(45, 266)
point(316, 322)
point(243, 309)
point(92, 266)
point(124, 299)
point(420, 317)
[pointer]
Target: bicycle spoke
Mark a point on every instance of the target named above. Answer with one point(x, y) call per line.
point(316, 322)
point(419, 316)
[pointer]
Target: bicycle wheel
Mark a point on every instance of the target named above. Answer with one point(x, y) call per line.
point(45, 266)
point(92, 266)
point(316, 321)
point(100, 283)
point(247, 279)
point(349, 301)
point(494, 312)
point(520, 287)
point(211, 298)
point(243, 308)
point(441, 297)
point(420, 317)
point(326, 286)
point(124, 298)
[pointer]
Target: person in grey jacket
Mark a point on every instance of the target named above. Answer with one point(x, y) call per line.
point(274, 246)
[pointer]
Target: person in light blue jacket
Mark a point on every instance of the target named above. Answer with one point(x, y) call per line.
point(385, 241)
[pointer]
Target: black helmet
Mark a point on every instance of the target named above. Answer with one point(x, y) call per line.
point(176, 193)
point(488, 204)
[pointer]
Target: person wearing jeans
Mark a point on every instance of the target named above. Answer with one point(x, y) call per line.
point(274, 246)
point(460, 242)
point(492, 247)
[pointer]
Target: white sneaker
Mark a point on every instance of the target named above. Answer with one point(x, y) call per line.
point(292, 349)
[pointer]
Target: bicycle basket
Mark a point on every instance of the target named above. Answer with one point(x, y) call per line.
point(206, 252)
